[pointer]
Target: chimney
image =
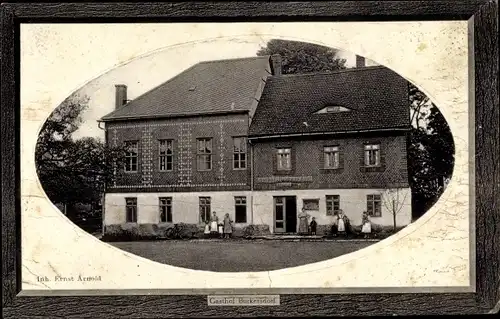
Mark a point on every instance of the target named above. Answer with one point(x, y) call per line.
point(360, 61)
point(275, 61)
point(121, 95)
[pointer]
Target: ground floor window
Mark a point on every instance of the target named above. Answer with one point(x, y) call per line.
point(332, 204)
point(240, 209)
point(204, 209)
point(131, 209)
point(166, 209)
point(373, 205)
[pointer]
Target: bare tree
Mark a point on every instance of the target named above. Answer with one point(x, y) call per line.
point(394, 200)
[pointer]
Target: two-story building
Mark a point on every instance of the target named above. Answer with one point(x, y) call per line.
point(328, 142)
point(236, 136)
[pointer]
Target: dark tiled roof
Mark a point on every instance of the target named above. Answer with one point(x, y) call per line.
point(377, 97)
point(207, 87)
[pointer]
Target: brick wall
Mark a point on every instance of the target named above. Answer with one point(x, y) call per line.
point(184, 132)
point(308, 164)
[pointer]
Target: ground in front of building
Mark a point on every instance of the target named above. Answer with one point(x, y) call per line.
point(240, 255)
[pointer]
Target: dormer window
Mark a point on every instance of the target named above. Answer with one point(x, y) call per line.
point(333, 109)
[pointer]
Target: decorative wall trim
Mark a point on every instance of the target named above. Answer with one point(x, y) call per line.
point(185, 156)
point(115, 144)
point(147, 156)
point(176, 124)
point(178, 185)
point(222, 149)
point(281, 179)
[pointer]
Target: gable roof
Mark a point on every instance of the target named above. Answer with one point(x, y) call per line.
point(376, 96)
point(206, 87)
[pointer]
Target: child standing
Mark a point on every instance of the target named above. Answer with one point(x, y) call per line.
point(367, 226)
point(312, 226)
point(207, 229)
point(228, 226)
point(221, 230)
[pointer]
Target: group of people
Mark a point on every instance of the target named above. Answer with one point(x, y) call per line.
point(340, 227)
point(216, 229)
point(224, 228)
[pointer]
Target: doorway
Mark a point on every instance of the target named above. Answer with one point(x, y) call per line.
point(285, 214)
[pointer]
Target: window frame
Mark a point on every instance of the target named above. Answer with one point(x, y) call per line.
point(129, 158)
point(367, 150)
point(240, 153)
point(200, 154)
point(332, 200)
point(332, 149)
point(242, 203)
point(165, 156)
point(371, 200)
point(134, 214)
point(205, 205)
point(168, 204)
point(279, 156)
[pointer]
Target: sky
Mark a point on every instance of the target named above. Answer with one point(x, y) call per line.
point(144, 73)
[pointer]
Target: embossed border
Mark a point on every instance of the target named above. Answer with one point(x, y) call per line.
point(482, 16)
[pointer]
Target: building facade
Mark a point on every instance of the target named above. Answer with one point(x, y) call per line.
point(238, 137)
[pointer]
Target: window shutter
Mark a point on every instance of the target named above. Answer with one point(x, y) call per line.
point(275, 160)
point(321, 156)
point(362, 159)
point(293, 161)
point(382, 157)
point(341, 157)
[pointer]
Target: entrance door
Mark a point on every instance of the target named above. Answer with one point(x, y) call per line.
point(291, 214)
point(279, 214)
point(285, 214)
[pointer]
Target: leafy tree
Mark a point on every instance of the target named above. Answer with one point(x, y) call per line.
point(73, 171)
point(430, 145)
point(431, 156)
point(301, 57)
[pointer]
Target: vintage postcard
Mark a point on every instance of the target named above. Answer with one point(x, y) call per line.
point(246, 158)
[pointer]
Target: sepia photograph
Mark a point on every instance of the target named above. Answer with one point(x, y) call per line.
point(292, 154)
point(249, 159)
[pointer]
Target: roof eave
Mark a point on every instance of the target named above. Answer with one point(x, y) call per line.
point(168, 116)
point(269, 136)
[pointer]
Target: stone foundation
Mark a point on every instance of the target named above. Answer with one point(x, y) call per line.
point(133, 232)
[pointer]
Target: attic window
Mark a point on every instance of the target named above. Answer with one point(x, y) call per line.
point(192, 88)
point(333, 109)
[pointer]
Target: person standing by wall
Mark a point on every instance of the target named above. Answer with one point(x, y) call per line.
point(214, 221)
point(228, 226)
point(303, 222)
point(341, 223)
point(206, 232)
point(312, 226)
point(366, 229)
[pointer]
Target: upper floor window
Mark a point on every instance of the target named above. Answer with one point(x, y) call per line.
point(166, 155)
point(131, 155)
point(284, 160)
point(131, 209)
point(373, 205)
point(239, 153)
point(166, 209)
point(372, 154)
point(204, 154)
point(332, 156)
